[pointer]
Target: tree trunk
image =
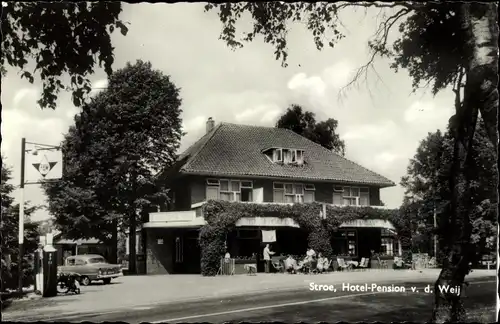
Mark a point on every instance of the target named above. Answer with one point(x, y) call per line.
point(113, 258)
point(480, 94)
point(132, 258)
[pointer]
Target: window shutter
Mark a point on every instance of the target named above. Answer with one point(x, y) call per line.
point(212, 193)
point(308, 196)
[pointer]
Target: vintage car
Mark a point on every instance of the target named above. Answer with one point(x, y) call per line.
point(91, 267)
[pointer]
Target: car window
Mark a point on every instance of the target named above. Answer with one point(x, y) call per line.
point(79, 262)
point(97, 260)
point(70, 261)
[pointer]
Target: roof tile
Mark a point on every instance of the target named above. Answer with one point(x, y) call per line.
point(231, 149)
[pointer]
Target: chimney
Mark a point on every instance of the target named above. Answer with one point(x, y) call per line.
point(210, 124)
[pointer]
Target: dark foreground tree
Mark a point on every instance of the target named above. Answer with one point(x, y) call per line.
point(52, 40)
point(441, 44)
point(121, 140)
point(9, 229)
point(304, 123)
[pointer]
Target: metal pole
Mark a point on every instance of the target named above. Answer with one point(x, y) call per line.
point(21, 220)
point(435, 235)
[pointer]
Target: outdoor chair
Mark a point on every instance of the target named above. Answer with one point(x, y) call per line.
point(278, 266)
point(432, 263)
point(382, 263)
point(363, 264)
point(343, 265)
point(400, 264)
point(325, 268)
point(226, 267)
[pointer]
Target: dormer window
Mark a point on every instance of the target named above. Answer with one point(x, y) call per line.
point(285, 155)
point(277, 155)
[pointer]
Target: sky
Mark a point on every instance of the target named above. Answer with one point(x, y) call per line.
point(381, 121)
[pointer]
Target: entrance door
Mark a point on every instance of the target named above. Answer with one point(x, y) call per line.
point(192, 256)
point(187, 253)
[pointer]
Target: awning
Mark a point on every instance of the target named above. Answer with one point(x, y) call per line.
point(377, 223)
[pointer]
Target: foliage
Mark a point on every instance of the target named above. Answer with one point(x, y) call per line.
point(60, 38)
point(9, 229)
point(427, 187)
point(304, 123)
point(119, 142)
point(221, 217)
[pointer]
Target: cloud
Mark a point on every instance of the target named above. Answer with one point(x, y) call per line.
point(194, 124)
point(24, 94)
point(262, 113)
point(313, 85)
point(382, 131)
point(425, 112)
point(338, 75)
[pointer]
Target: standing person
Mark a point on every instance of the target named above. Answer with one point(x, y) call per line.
point(267, 257)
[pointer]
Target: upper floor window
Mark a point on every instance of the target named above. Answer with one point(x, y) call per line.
point(286, 155)
point(293, 192)
point(229, 190)
point(351, 196)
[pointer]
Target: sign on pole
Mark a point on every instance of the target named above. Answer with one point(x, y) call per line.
point(45, 164)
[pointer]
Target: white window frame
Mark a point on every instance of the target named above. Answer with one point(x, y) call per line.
point(217, 183)
point(276, 152)
point(297, 197)
point(299, 160)
point(343, 189)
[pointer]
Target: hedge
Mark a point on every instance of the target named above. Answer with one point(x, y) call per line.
point(221, 217)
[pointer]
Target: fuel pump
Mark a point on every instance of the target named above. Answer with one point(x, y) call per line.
point(39, 269)
point(49, 269)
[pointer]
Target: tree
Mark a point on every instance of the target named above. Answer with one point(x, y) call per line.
point(427, 186)
point(119, 143)
point(443, 44)
point(9, 228)
point(304, 123)
point(59, 38)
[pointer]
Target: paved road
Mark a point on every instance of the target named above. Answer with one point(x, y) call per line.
point(304, 305)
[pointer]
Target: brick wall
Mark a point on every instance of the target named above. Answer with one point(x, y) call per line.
point(323, 193)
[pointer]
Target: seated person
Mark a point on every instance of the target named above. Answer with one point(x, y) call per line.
point(322, 263)
point(290, 264)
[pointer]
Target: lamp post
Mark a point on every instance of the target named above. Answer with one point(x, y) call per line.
point(37, 147)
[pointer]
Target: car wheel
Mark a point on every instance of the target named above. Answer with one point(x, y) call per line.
point(106, 281)
point(85, 281)
point(62, 288)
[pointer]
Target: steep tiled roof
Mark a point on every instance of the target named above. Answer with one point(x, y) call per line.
point(236, 150)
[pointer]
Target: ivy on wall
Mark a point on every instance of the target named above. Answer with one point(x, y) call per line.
point(221, 217)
